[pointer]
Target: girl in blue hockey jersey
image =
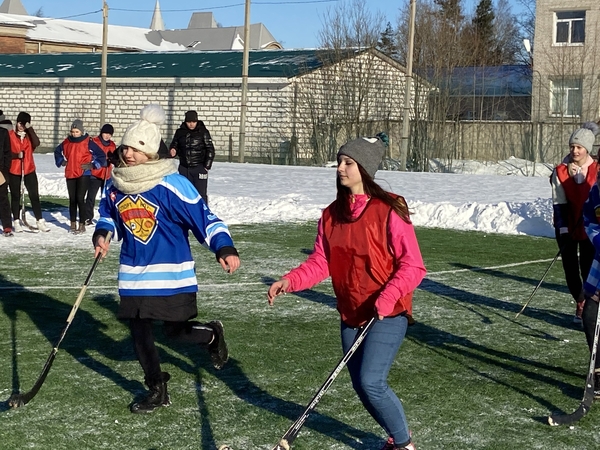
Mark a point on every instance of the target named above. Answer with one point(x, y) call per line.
point(152, 208)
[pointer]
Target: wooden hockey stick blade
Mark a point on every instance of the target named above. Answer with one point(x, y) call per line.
point(20, 399)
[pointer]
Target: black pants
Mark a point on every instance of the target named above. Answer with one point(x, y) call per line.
point(576, 266)
point(31, 184)
point(198, 175)
point(588, 318)
point(77, 188)
point(5, 207)
point(90, 200)
point(147, 354)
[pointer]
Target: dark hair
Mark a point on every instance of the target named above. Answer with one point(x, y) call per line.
point(341, 209)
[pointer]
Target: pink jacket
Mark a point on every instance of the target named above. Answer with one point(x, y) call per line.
point(403, 245)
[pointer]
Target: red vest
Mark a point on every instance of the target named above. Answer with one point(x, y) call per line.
point(76, 154)
point(576, 194)
point(17, 145)
point(104, 172)
point(360, 262)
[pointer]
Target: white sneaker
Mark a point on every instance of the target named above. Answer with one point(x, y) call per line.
point(41, 224)
point(17, 226)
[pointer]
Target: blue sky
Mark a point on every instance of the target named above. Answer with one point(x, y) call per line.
point(294, 23)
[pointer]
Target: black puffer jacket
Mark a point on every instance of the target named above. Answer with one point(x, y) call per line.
point(5, 153)
point(194, 147)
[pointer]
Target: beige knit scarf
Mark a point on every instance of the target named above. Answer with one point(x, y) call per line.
point(142, 178)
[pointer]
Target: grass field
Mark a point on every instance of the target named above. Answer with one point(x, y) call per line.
point(470, 375)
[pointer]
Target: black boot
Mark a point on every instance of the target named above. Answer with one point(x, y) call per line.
point(157, 397)
point(218, 348)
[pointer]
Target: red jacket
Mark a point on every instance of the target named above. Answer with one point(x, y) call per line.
point(18, 145)
point(76, 154)
point(104, 172)
point(360, 271)
point(576, 194)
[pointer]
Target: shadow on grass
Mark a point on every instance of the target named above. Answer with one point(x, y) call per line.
point(85, 335)
point(532, 281)
point(463, 350)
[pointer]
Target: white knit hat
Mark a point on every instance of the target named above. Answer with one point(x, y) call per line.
point(144, 134)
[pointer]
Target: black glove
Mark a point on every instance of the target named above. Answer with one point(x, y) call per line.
point(564, 239)
point(64, 163)
point(87, 166)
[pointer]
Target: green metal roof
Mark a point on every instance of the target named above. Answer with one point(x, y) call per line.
point(225, 64)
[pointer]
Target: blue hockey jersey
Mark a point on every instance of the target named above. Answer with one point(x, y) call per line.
point(156, 259)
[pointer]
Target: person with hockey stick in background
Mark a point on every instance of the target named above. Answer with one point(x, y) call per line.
point(99, 176)
point(78, 154)
point(5, 160)
point(367, 244)
point(152, 208)
point(571, 183)
point(23, 142)
point(194, 147)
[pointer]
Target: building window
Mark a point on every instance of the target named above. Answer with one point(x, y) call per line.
point(570, 27)
point(566, 97)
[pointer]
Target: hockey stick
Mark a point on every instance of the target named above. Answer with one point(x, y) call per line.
point(18, 399)
point(23, 212)
point(539, 284)
point(286, 440)
point(588, 392)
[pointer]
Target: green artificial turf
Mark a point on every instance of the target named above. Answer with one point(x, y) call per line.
point(471, 376)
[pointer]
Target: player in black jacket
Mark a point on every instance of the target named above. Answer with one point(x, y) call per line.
point(5, 160)
point(193, 145)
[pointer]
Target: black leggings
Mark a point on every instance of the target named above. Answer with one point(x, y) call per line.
point(90, 201)
point(31, 184)
point(576, 267)
point(145, 349)
point(77, 188)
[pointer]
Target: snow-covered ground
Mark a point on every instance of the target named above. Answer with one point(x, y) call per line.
point(478, 196)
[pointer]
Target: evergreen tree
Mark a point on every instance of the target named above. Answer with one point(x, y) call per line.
point(482, 34)
point(388, 42)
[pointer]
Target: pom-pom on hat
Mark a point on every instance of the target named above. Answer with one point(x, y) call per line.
point(23, 118)
point(368, 152)
point(107, 128)
point(144, 134)
point(78, 124)
point(585, 136)
point(191, 116)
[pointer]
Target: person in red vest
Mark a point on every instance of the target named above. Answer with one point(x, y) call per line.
point(367, 244)
point(78, 154)
point(571, 183)
point(99, 176)
point(23, 142)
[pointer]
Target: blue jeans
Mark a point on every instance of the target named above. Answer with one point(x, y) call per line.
point(369, 368)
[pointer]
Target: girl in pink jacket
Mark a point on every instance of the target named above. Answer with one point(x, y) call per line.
point(367, 244)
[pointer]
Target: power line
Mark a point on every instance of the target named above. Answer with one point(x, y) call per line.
point(235, 5)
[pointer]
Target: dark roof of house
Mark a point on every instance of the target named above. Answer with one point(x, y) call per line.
point(497, 81)
point(225, 64)
point(222, 38)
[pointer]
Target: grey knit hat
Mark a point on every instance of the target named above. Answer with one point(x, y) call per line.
point(79, 125)
point(585, 136)
point(368, 152)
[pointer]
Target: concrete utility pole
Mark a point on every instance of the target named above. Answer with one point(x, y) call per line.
point(408, 87)
point(104, 62)
point(244, 82)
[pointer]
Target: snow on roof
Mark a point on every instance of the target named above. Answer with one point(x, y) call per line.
point(88, 33)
